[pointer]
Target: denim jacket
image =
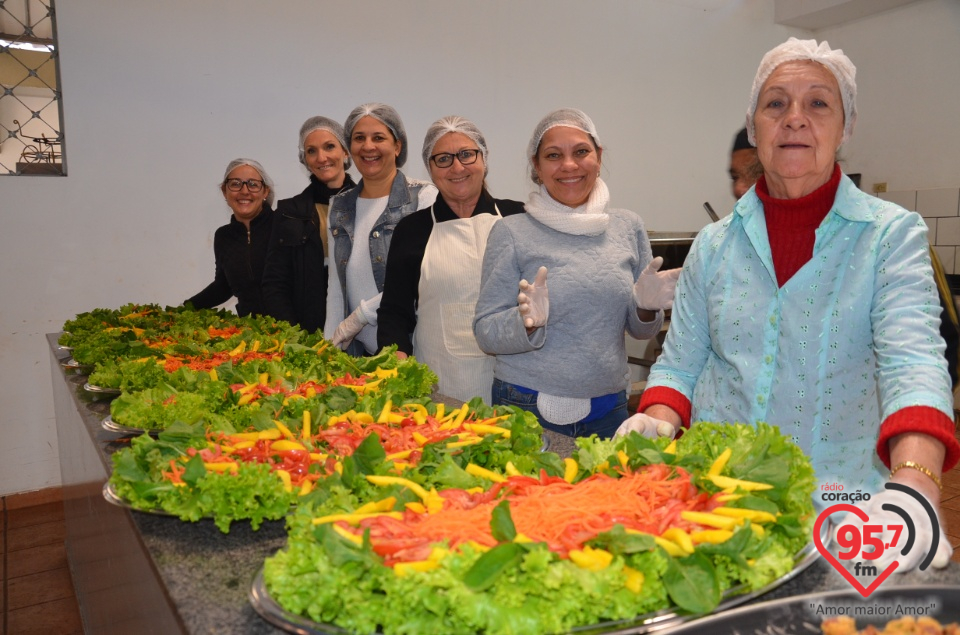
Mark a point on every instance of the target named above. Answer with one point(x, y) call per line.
point(403, 199)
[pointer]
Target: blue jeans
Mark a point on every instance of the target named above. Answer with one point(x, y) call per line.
point(604, 426)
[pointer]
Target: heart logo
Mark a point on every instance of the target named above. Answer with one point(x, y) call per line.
point(843, 507)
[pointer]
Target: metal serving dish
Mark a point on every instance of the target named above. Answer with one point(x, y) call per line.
point(110, 425)
point(100, 391)
point(655, 622)
point(672, 246)
point(798, 615)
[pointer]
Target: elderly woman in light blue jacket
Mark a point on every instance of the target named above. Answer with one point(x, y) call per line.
point(362, 221)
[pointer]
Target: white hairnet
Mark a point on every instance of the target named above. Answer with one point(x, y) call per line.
point(256, 166)
point(570, 117)
point(453, 123)
point(387, 116)
point(331, 126)
point(833, 59)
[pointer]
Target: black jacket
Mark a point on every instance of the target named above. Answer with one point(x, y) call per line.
point(239, 255)
point(295, 278)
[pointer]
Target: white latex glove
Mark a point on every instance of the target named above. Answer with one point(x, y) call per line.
point(654, 289)
point(534, 301)
point(647, 426)
point(923, 532)
point(349, 328)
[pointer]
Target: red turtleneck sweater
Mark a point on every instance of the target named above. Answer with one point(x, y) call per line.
point(791, 230)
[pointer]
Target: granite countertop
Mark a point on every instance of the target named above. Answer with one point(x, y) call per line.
point(208, 574)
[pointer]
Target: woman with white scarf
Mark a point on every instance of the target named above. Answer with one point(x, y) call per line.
point(560, 345)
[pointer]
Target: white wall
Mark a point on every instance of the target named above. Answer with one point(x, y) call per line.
point(159, 96)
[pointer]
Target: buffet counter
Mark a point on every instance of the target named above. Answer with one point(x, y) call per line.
point(143, 573)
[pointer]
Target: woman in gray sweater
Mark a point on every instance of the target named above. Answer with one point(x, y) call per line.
point(560, 353)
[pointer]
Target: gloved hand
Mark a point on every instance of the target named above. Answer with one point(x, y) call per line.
point(647, 426)
point(654, 289)
point(348, 329)
point(879, 516)
point(534, 301)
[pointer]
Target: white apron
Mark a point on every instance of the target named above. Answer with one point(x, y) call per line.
point(449, 288)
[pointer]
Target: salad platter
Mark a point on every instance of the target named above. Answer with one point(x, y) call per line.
point(110, 495)
point(110, 425)
point(100, 391)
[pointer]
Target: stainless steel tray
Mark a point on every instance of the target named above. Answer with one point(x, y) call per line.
point(71, 365)
point(797, 615)
point(100, 391)
point(110, 425)
point(111, 496)
point(657, 621)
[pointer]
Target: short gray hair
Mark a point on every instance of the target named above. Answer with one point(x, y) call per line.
point(387, 116)
point(453, 123)
point(236, 163)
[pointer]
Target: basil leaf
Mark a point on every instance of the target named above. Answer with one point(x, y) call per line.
point(692, 584)
point(490, 565)
point(501, 523)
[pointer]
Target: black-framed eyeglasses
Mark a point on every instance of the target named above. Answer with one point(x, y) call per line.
point(465, 157)
point(235, 185)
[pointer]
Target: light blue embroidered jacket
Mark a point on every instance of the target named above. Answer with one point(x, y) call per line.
point(850, 339)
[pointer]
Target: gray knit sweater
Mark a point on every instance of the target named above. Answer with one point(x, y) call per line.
point(580, 352)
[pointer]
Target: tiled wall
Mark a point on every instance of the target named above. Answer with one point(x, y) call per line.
point(940, 208)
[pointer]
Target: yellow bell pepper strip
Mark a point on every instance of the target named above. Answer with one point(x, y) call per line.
point(680, 538)
point(758, 530)
point(725, 498)
point(591, 559)
point(384, 373)
point(465, 442)
point(400, 466)
point(432, 562)
point(338, 467)
point(236, 437)
point(285, 477)
point(417, 508)
point(354, 518)
point(670, 547)
point(710, 520)
point(570, 469)
point(284, 430)
point(318, 456)
point(247, 398)
point(310, 392)
point(476, 470)
point(402, 454)
point(384, 505)
point(622, 458)
point(439, 412)
point(712, 536)
point(271, 434)
point(285, 445)
point(213, 374)
point(224, 466)
point(753, 515)
point(727, 483)
point(256, 346)
point(458, 421)
point(306, 487)
point(510, 469)
point(522, 538)
point(720, 463)
point(347, 535)
point(671, 447)
point(417, 489)
point(242, 346)
point(305, 428)
point(634, 579)
point(420, 439)
point(264, 378)
point(482, 428)
point(243, 445)
point(385, 413)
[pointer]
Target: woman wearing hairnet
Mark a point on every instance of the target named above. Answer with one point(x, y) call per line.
point(559, 343)
point(433, 270)
point(362, 221)
point(295, 275)
point(813, 307)
point(240, 246)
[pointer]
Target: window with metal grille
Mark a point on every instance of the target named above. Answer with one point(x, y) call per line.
point(31, 109)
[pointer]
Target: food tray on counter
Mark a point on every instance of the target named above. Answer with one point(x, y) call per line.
point(110, 495)
point(101, 391)
point(654, 622)
point(797, 615)
point(110, 425)
point(71, 365)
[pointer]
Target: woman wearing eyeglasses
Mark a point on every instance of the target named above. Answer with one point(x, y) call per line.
point(433, 270)
point(240, 247)
point(362, 221)
point(563, 356)
point(295, 275)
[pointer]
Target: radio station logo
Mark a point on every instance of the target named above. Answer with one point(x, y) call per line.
point(860, 544)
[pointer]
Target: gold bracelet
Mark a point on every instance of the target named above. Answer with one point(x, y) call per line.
point(920, 468)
